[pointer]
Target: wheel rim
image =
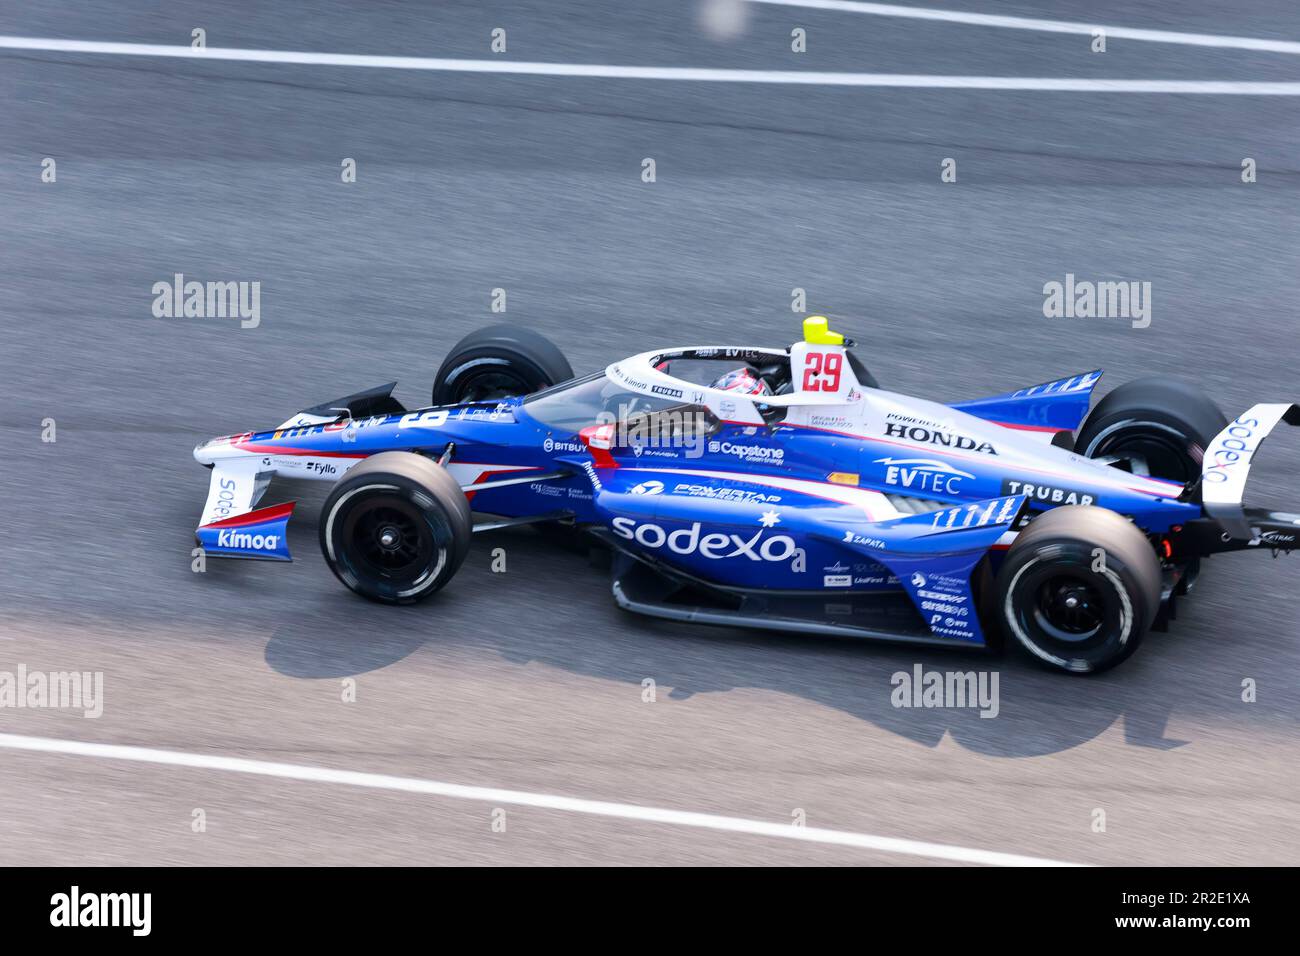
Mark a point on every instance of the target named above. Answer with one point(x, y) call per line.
point(484, 382)
point(1038, 605)
point(390, 539)
point(1069, 609)
point(1165, 455)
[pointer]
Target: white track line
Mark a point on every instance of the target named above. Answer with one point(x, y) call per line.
point(699, 75)
point(1044, 26)
point(544, 801)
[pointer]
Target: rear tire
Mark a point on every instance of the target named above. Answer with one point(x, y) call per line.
point(500, 361)
point(1164, 421)
point(395, 528)
point(1066, 614)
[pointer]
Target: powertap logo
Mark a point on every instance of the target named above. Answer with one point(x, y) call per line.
point(253, 542)
point(715, 545)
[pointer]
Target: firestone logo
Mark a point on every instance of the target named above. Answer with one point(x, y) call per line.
point(714, 546)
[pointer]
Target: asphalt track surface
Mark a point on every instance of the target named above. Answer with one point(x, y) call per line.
point(532, 680)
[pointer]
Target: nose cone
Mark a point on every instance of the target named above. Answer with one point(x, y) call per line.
point(202, 454)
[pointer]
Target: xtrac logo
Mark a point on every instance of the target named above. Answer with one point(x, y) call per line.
point(715, 545)
point(923, 474)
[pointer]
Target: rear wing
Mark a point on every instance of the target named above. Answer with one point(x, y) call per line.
point(1226, 465)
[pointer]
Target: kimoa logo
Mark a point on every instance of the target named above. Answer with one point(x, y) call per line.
point(242, 539)
point(715, 545)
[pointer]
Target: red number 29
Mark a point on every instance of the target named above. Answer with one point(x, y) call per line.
point(822, 371)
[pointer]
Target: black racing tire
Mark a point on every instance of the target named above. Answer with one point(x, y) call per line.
point(395, 528)
point(500, 361)
point(1051, 563)
point(1168, 422)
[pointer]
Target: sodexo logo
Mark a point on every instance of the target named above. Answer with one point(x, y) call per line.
point(715, 545)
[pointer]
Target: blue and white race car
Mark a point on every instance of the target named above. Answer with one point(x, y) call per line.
point(780, 489)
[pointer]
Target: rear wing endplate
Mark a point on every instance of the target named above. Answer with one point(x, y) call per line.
point(1226, 465)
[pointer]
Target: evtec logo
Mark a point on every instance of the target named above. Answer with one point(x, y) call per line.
point(242, 539)
point(714, 545)
point(923, 474)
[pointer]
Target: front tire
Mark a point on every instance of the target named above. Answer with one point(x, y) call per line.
point(1079, 589)
point(500, 361)
point(395, 528)
point(1166, 423)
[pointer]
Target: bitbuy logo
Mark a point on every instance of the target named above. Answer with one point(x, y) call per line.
point(715, 545)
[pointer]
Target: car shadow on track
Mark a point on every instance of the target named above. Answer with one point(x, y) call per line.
point(554, 609)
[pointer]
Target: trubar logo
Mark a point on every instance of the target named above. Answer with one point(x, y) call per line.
point(75, 908)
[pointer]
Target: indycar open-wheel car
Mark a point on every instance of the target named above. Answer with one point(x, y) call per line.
point(779, 489)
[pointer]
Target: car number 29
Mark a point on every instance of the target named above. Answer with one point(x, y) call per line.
point(821, 371)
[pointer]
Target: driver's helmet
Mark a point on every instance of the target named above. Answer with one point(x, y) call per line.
point(743, 380)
